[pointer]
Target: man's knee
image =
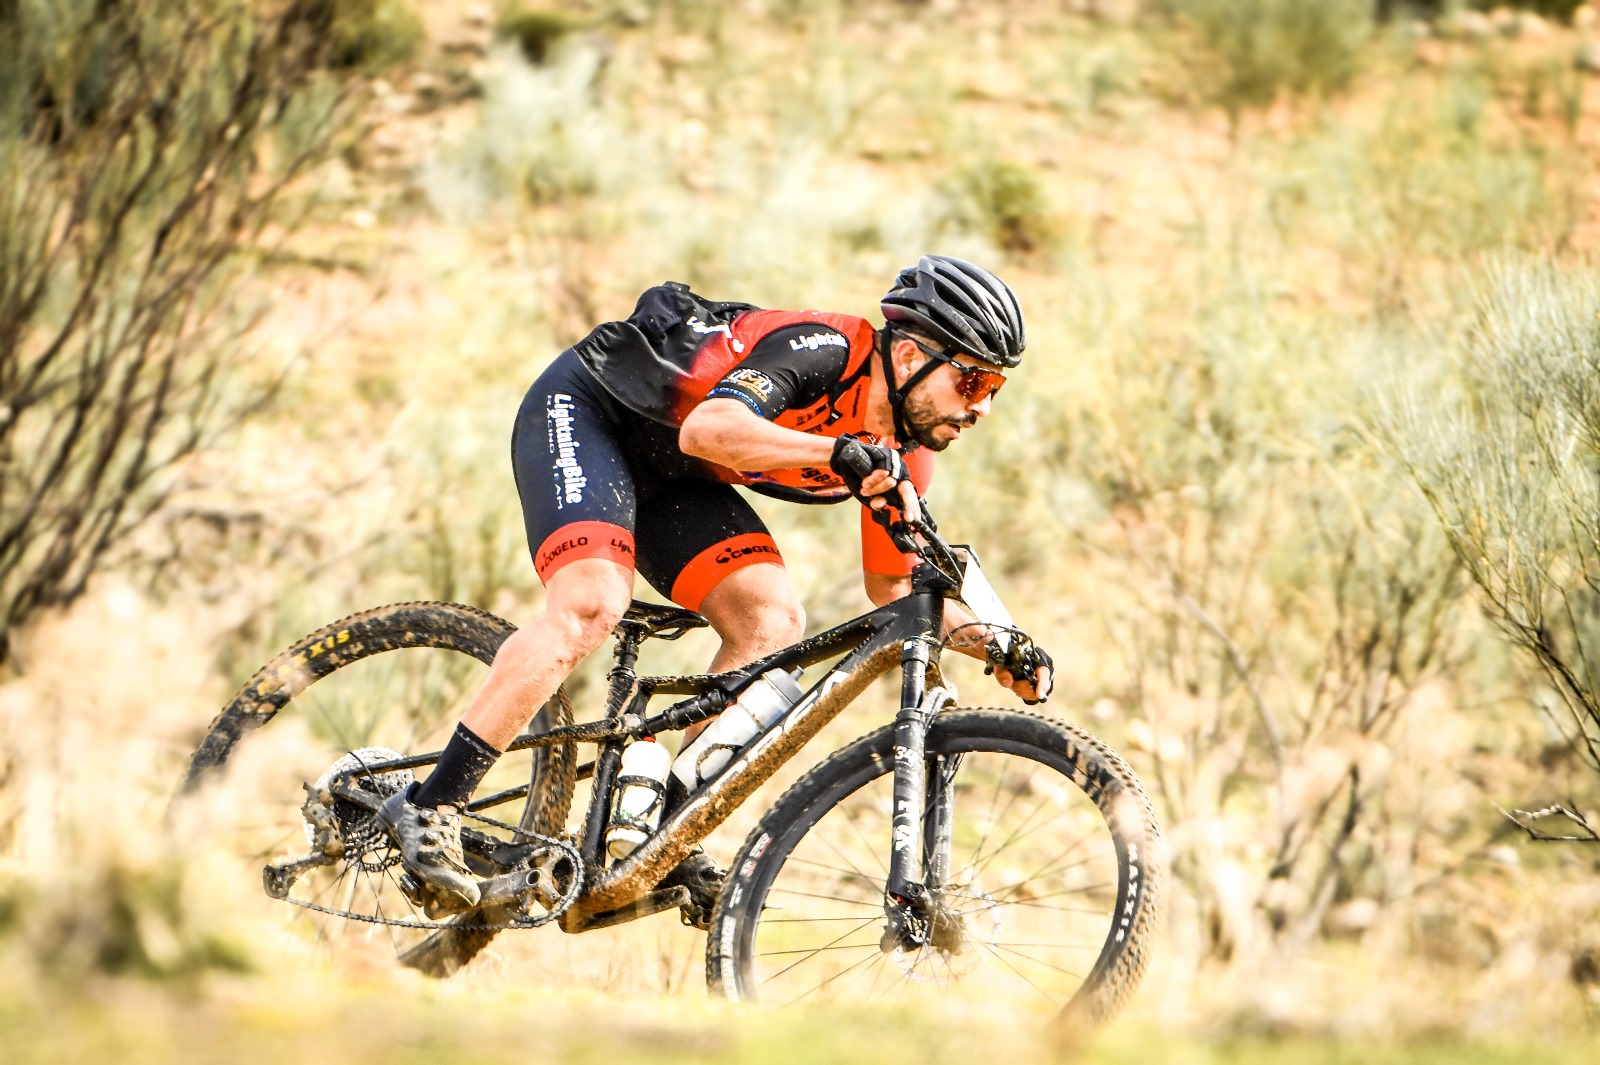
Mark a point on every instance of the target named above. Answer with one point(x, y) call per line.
point(782, 622)
point(756, 608)
point(586, 600)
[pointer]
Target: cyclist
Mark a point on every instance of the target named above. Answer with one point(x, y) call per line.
point(626, 450)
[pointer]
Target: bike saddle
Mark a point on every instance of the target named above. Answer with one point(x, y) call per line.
point(662, 620)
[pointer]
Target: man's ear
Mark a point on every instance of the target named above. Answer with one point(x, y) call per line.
point(904, 354)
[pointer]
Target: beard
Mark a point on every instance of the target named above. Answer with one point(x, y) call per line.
point(921, 421)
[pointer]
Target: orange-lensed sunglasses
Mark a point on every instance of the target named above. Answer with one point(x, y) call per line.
point(977, 383)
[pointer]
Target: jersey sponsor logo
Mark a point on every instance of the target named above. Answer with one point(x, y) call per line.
point(562, 548)
point(814, 341)
point(729, 554)
point(565, 448)
point(704, 330)
point(753, 380)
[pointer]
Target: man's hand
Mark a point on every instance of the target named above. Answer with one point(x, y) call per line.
point(872, 472)
point(1030, 674)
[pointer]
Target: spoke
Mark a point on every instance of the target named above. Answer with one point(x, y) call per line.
point(808, 951)
point(377, 905)
point(816, 951)
point(1037, 961)
point(1054, 864)
point(995, 904)
point(992, 903)
point(1047, 997)
point(866, 844)
point(877, 889)
point(990, 820)
point(845, 859)
point(1009, 901)
point(389, 872)
point(807, 920)
point(831, 979)
point(1021, 831)
point(1054, 870)
point(873, 994)
point(826, 898)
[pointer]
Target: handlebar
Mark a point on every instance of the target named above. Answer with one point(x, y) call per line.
point(1019, 655)
point(932, 549)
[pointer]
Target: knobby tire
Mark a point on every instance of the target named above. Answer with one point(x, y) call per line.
point(451, 626)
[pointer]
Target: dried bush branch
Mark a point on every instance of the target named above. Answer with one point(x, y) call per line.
point(1524, 819)
point(142, 151)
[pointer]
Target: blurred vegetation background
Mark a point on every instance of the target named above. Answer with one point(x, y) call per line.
point(1298, 482)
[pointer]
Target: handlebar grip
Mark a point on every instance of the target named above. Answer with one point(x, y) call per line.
point(855, 456)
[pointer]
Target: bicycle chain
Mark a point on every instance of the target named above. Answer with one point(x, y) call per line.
point(548, 842)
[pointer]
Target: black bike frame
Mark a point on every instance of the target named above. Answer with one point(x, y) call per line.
point(909, 631)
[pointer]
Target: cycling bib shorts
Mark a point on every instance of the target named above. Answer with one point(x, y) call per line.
point(588, 490)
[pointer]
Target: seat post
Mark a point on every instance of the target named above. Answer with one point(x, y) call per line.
point(630, 634)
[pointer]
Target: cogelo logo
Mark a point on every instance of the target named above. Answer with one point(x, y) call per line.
point(562, 548)
point(728, 554)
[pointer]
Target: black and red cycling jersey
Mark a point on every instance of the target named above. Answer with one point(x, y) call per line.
point(596, 448)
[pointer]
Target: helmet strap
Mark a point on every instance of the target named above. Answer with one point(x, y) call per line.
point(898, 393)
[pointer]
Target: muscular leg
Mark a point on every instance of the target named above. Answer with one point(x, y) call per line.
point(584, 600)
point(755, 612)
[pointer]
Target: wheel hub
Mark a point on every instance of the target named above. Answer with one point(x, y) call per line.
point(965, 920)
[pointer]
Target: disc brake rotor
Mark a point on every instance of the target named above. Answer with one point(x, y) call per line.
point(358, 826)
point(971, 924)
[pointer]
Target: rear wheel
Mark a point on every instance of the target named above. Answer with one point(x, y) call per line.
point(1051, 888)
point(353, 710)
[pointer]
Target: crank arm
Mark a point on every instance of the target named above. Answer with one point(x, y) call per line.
point(536, 883)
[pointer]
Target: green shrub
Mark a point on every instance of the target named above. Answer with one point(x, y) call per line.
point(1245, 54)
point(536, 31)
point(368, 35)
point(1561, 10)
point(1504, 443)
point(1002, 201)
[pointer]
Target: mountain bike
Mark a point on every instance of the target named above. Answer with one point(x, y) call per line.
point(952, 851)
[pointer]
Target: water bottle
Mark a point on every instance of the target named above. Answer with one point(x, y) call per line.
point(641, 780)
point(762, 703)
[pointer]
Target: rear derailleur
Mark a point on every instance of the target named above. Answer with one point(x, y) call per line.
point(532, 883)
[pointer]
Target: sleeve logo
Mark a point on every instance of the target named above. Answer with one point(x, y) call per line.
point(814, 341)
point(751, 380)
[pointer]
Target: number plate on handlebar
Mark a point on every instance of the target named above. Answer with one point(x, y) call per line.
point(980, 598)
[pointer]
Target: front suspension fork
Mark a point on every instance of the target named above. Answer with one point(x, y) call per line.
point(919, 858)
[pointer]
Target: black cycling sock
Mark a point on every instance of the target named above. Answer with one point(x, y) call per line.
point(462, 766)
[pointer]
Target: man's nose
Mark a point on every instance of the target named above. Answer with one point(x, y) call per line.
point(981, 408)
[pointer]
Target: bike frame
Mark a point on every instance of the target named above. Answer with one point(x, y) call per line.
point(909, 631)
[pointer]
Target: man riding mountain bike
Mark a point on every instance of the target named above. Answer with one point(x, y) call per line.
point(626, 450)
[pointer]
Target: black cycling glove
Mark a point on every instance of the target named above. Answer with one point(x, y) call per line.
point(1023, 660)
point(855, 460)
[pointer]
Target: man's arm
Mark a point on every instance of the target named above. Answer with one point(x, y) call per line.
point(728, 433)
point(884, 589)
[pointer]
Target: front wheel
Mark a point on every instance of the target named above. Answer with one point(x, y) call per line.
point(1044, 901)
